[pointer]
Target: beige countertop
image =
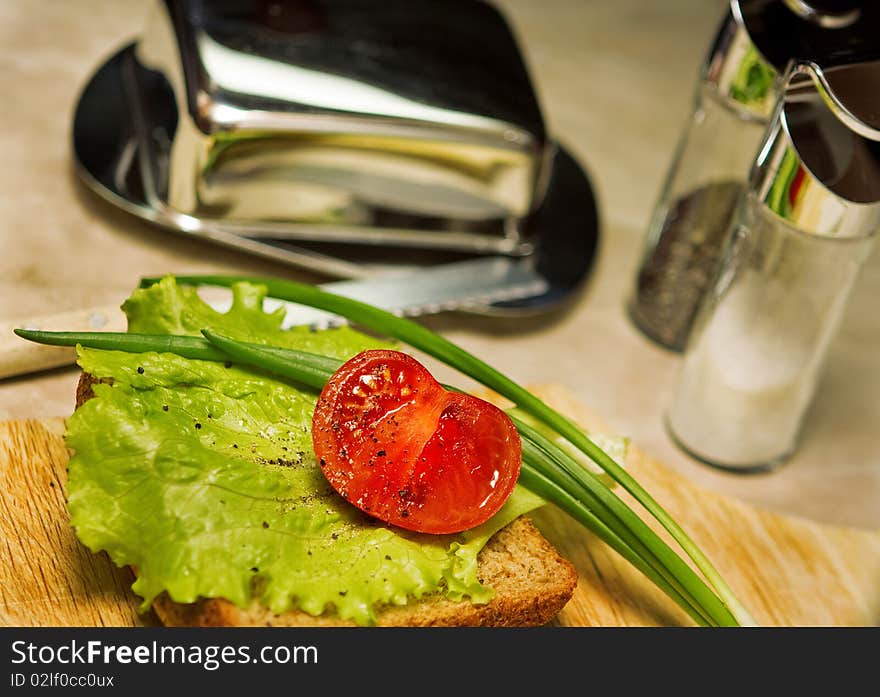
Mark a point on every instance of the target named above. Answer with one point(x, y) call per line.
point(615, 80)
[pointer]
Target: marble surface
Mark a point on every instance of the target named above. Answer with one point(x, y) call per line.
point(615, 80)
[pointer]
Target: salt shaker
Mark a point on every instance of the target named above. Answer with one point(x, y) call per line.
point(799, 237)
point(738, 89)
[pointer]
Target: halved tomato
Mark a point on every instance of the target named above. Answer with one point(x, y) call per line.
point(396, 444)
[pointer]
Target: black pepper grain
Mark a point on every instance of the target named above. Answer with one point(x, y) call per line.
point(140, 370)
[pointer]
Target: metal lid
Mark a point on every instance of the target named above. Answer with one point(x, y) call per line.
point(759, 38)
point(819, 166)
point(825, 32)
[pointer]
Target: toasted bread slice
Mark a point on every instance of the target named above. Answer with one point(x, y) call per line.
point(532, 583)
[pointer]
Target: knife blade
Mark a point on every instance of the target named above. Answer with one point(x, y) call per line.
point(452, 286)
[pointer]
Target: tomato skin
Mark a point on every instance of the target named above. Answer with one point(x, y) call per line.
point(396, 444)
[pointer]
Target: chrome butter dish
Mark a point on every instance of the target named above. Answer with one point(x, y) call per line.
point(411, 122)
point(351, 138)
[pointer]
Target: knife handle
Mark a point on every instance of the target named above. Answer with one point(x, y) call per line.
point(19, 356)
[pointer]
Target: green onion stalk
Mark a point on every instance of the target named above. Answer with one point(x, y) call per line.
point(547, 468)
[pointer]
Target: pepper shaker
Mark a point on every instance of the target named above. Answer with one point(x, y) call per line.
point(738, 90)
point(801, 233)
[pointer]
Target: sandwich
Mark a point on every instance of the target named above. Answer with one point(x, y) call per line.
point(250, 475)
point(202, 476)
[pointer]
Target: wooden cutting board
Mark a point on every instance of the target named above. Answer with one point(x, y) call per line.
point(786, 571)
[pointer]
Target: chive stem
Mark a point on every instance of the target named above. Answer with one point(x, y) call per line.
point(307, 369)
point(186, 346)
point(532, 478)
point(588, 488)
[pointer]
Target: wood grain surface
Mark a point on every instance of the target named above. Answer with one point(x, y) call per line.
point(48, 578)
point(787, 571)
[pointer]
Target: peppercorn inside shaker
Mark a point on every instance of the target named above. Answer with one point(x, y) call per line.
point(689, 227)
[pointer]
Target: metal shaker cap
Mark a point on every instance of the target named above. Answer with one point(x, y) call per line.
point(760, 37)
point(819, 166)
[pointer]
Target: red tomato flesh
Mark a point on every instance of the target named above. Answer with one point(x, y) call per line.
point(396, 444)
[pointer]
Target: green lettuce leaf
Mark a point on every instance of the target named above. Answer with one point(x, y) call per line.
point(202, 476)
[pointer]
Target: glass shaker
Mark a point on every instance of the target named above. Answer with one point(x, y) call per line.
point(733, 101)
point(801, 233)
point(736, 94)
